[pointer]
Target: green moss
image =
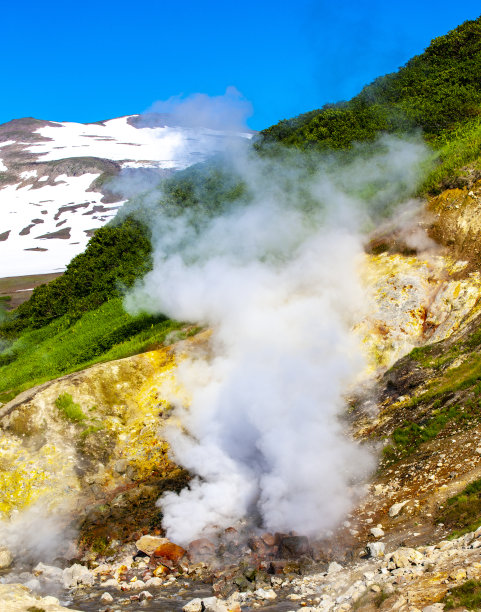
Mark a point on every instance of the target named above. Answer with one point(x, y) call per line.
point(69, 409)
point(91, 429)
point(467, 595)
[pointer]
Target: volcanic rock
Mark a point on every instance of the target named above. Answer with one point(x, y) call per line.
point(200, 550)
point(149, 544)
point(293, 547)
point(170, 552)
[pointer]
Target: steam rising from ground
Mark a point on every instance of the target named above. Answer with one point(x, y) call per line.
point(274, 274)
point(38, 534)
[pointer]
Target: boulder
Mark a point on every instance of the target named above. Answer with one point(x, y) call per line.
point(148, 544)
point(6, 558)
point(77, 575)
point(212, 604)
point(294, 546)
point(200, 550)
point(404, 557)
point(170, 551)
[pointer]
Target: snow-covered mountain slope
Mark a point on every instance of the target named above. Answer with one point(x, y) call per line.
point(53, 177)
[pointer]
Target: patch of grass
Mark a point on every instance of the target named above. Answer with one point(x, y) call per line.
point(91, 429)
point(467, 595)
point(407, 438)
point(69, 409)
point(62, 347)
point(462, 512)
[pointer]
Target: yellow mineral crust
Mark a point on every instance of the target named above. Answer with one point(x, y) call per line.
point(412, 301)
point(125, 403)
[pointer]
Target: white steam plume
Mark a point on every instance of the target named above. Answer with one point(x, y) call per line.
point(229, 111)
point(275, 277)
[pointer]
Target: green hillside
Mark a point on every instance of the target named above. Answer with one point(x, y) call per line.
point(437, 94)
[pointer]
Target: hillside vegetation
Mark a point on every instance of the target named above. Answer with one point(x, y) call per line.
point(438, 92)
point(78, 318)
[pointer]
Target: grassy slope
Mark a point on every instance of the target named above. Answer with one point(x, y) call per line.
point(59, 348)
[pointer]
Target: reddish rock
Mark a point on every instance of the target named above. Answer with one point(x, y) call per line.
point(200, 549)
point(269, 539)
point(170, 551)
point(257, 545)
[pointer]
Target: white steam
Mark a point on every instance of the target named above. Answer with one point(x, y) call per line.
point(38, 534)
point(229, 111)
point(275, 277)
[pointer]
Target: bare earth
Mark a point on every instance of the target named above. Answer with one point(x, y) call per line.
point(19, 288)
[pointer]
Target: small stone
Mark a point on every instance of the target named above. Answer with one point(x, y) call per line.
point(375, 588)
point(161, 570)
point(6, 558)
point(154, 582)
point(138, 585)
point(120, 466)
point(145, 595)
point(106, 598)
point(376, 549)
point(334, 567)
point(266, 594)
point(377, 532)
point(212, 604)
point(395, 509)
point(458, 574)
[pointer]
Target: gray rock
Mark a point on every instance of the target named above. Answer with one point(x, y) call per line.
point(334, 567)
point(50, 572)
point(77, 575)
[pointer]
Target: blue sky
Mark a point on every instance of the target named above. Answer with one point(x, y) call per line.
point(89, 61)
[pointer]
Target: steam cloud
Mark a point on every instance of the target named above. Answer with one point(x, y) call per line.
point(275, 277)
point(226, 112)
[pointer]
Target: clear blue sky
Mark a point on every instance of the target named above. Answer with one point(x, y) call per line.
point(92, 60)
